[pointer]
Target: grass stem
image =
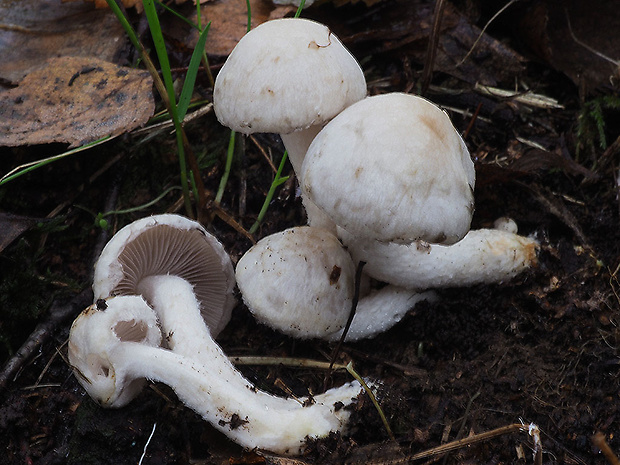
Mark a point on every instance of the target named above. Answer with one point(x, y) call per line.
point(276, 182)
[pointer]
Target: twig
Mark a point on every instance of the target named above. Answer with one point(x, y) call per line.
point(454, 445)
point(586, 46)
point(472, 121)
point(285, 361)
point(59, 314)
point(224, 216)
point(157, 127)
point(599, 441)
point(47, 365)
point(356, 298)
point(264, 153)
point(431, 50)
point(493, 18)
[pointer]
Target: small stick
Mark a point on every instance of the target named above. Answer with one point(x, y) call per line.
point(431, 50)
point(263, 152)
point(356, 298)
point(499, 12)
point(473, 119)
point(599, 441)
point(454, 445)
point(58, 315)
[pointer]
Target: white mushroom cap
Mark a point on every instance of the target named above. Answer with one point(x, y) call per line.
point(298, 282)
point(392, 168)
point(286, 75)
point(91, 352)
point(169, 244)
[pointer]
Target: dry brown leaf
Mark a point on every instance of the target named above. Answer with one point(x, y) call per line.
point(40, 29)
point(75, 100)
point(126, 3)
point(12, 226)
point(229, 22)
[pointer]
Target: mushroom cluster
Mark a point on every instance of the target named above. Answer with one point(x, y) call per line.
point(163, 290)
point(386, 180)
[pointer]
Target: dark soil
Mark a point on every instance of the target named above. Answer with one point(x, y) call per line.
point(542, 349)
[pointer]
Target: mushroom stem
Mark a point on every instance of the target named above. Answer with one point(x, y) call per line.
point(106, 348)
point(482, 256)
point(296, 144)
point(380, 310)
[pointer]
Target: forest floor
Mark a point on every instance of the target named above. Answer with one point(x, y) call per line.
point(542, 349)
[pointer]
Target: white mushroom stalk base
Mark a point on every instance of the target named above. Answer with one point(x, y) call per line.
point(482, 256)
point(380, 310)
point(107, 361)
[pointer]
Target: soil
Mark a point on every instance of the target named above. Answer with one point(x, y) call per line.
point(542, 349)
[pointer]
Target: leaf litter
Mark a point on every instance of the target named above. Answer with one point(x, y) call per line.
point(543, 348)
point(75, 100)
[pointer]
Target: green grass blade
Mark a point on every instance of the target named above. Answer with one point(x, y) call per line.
point(162, 54)
point(192, 72)
point(299, 8)
point(164, 63)
point(373, 398)
point(272, 189)
point(229, 157)
point(28, 167)
point(249, 8)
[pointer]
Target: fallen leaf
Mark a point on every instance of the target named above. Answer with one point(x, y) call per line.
point(104, 4)
point(31, 31)
point(75, 100)
point(229, 23)
point(126, 3)
point(577, 38)
point(12, 226)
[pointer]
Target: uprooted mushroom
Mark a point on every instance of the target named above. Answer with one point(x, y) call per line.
point(395, 176)
point(148, 281)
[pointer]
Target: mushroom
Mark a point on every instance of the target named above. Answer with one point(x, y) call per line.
point(392, 168)
point(168, 245)
point(394, 175)
point(301, 282)
point(184, 274)
point(288, 76)
point(113, 347)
